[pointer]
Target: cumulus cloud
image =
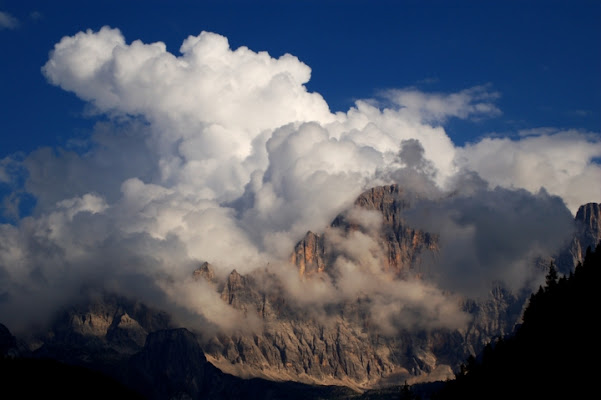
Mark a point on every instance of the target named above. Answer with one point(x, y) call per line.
point(562, 162)
point(7, 21)
point(223, 155)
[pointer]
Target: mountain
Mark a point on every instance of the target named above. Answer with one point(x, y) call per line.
point(348, 349)
point(588, 220)
point(587, 233)
point(311, 338)
point(547, 355)
point(99, 332)
point(170, 365)
point(403, 245)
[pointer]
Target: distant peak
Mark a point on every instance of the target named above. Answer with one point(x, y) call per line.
point(589, 212)
point(205, 271)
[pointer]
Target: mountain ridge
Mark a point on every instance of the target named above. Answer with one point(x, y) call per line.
point(293, 343)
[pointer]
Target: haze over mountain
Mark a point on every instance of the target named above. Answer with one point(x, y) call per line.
point(360, 337)
point(308, 230)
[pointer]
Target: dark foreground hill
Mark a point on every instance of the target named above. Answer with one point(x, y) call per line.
point(29, 378)
point(552, 354)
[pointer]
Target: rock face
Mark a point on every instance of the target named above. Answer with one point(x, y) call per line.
point(172, 366)
point(101, 330)
point(205, 271)
point(346, 349)
point(588, 234)
point(403, 243)
point(590, 216)
point(494, 316)
point(309, 255)
point(588, 224)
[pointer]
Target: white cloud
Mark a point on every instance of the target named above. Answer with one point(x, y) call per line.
point(475, 102)
point(7, 21)
point(224, 155)
point(562, 162)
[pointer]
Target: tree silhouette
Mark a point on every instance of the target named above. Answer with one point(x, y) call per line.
point(552, 276)
point(407, 393)
point(549, 354)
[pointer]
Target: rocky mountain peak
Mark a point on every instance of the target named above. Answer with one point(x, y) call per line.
point(309, 254)
point(389, 200)
point(590, 216)
point(235, 282)
point(401, 243)
point(239, 292)
point(206, 272)
point(588, 234)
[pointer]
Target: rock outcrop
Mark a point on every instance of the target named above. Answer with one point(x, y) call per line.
point(206, 272)
point(100, 330)
point(347, 349)
point(170, 365)
point(402, 245)
point(344, 348)
point(588, 225)
point(309, 255)
point(588, 234)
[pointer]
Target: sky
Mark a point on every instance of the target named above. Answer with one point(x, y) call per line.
point(139, 139)
point(542, 57)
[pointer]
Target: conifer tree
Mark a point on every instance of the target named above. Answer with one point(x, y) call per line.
point(552, 277)
point(406, 393)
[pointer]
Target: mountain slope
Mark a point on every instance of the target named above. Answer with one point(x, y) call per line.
point(350, 349)
point(327, 340)
point(549, 354)
point(588, 234)
point(170, 365)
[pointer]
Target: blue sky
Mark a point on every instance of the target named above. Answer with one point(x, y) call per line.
point(542, 57)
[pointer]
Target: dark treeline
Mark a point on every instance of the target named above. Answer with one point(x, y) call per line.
point(553, 353)
point(29, 378)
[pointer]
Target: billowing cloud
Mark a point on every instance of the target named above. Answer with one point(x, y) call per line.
point(492, 236)
point(223, 155)
point(562, 162)
point(7, 21)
